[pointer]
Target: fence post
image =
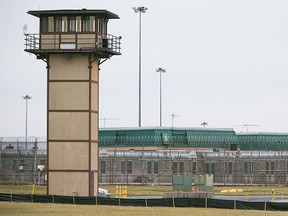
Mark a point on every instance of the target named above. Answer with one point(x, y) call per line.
point(265, 206)
point(235, 206)
point(146, 203)
point(206, 202)
point(11, 197)
point(173, 199)
point(53, 201)
point(96, 200)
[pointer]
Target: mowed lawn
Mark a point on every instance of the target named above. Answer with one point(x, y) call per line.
point(34, 209)
point(134, 190)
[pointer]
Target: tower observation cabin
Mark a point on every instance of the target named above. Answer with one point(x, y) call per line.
point(73, 43)
point(73, 31)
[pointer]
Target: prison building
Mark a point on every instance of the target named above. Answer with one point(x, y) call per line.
point(153, 155)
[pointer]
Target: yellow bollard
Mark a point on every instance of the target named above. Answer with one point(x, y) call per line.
point(125, 191)
point(120, 191)
point(33, 189)
point(116, 191)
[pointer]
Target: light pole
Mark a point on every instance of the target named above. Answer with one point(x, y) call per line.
point(161, 70)
point(140, 10)
point(26, 97)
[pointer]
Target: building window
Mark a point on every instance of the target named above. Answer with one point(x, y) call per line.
point(149, 167)
point(103, 167)
point(58, 24)
point(22, 162)
point(230, 168)
point(245, 168)
point(86, 23)
point(248, 168)
point(267, 167)
point(174, 168)
point(129, 167)
point(272, 167)
point(72, 24)
point(123, 167)
point(194, 167)
point(181, 167)
point(156, 167)
point(207, 168)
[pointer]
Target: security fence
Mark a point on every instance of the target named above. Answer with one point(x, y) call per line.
point(23, 161)
point(227, 168)
point(160, 202)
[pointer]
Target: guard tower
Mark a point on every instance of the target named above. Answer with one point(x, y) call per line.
point(73, 43)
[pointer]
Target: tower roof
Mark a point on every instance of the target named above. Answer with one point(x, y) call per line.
point(74, 12)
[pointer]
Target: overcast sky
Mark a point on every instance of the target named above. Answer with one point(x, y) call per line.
point(226, 63)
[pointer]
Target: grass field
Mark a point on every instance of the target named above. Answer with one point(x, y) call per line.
point(134, 190)
point(33, 209)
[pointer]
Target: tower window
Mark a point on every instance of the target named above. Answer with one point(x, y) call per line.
point(72, 24)
point(44, 24)
point(86, 23)
point(99, 25)
point(58, 24)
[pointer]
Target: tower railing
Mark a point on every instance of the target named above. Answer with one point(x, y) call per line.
point(100, 41)
point(32, 41)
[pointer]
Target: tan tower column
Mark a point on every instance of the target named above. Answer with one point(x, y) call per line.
point(73, 95)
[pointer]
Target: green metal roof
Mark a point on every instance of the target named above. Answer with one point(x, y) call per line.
point(192, 138)
point(176, 137)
